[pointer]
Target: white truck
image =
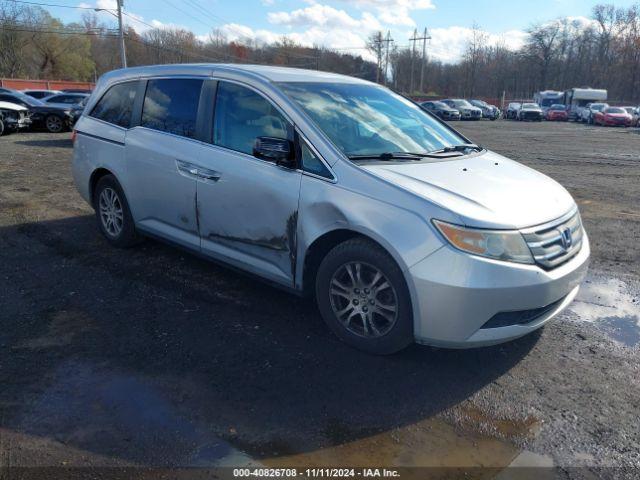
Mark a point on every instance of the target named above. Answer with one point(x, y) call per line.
point(576, 100)
point(546, 98)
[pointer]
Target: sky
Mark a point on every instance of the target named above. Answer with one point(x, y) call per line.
point(346, 24)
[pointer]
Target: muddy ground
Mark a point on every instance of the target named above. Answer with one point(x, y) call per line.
point(153, 357)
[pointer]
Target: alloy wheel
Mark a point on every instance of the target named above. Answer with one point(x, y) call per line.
point(111, 213)
point(363, 299)
point(54, 124)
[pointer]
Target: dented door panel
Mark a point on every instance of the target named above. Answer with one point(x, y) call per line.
point(249, 215)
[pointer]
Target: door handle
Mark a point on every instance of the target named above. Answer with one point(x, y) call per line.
point(186, 168)
point(209, 175)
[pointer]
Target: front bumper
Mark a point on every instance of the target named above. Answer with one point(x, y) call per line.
point(456, 294)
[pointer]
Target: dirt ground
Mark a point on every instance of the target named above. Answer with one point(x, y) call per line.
point(151, 357)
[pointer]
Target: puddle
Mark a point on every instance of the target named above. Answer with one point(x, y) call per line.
point(114, 418)
point(431, 443)
point(612, 306)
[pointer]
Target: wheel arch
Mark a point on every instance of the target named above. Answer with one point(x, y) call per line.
point(323, 243)
point(95, 177)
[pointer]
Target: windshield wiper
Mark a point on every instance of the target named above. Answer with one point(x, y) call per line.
point(386, 156)
point(463, 147)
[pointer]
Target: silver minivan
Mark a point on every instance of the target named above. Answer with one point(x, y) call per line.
point(327, 185)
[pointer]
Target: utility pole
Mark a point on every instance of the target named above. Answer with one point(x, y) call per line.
point(425, 37)
point(414, 39)
point(413, 54)
point(123, 55)
point(379, 41)
point(387, 40)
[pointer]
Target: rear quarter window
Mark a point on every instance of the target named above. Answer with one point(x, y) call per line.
point(116, 105)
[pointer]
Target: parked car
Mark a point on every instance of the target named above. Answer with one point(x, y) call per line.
point(77, 90)
point(65, 99)
point(78, 110)
point(488, 111)
point(557, 111)
point(54, 119)
point(40, 93)
point(441, 109)
point(530, 111)
point(635, 115)
point(512, 110)
point(613, 116)
point(467, 111)
point(335, 187)
point(587, 114)
point(13, 117)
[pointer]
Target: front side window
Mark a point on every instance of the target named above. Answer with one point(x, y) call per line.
point(171, 105)
point(364, 119)
point(116, 105)
point(242, 115)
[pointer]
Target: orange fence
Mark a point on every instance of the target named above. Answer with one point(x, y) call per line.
point(23, 84)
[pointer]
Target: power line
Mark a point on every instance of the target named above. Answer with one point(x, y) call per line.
point(57, 5)
point(58, 32)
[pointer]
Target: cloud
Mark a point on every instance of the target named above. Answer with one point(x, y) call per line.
point(323, 16)
point(313, 36)
point(448, 44)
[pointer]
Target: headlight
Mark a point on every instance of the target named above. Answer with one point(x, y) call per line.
point(507, 245)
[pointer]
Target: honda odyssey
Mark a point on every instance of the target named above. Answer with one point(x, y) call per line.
point(401, 228)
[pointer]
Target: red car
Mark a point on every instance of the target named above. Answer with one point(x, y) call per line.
point(613, 116)
point(557, 111)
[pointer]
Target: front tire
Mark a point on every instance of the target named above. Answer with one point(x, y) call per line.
point(112, 213)
point(363, 298)
point(1, 127)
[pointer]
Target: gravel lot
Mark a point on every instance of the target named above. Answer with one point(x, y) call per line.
point(153, 357)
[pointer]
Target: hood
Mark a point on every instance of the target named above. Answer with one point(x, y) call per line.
point(12, 106)
point(486, 190)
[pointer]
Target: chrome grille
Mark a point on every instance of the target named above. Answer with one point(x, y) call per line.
point(554, 243)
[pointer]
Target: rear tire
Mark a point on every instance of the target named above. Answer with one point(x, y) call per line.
point(363, 298)
point(1, 128)
point(112, 213)
point(54, 124)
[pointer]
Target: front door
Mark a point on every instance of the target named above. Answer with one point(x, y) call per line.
point(247, 207)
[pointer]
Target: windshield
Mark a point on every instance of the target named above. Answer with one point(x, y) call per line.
point(615, 110)
point(547, 101)
point(598, 106)
point(530, 105)
point(461, 103)
point(557, 106)
point(441, 105)
point(363, 119)
point(479, 103)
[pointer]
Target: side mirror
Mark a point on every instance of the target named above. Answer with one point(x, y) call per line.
point(278, 150)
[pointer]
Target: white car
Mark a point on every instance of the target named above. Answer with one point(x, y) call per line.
point(13, 117)
point(326, 185)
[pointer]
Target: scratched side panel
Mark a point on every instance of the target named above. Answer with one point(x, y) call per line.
point(249, 217)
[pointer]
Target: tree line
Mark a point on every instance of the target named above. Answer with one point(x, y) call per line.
point(602, 53)
point(557, 55)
